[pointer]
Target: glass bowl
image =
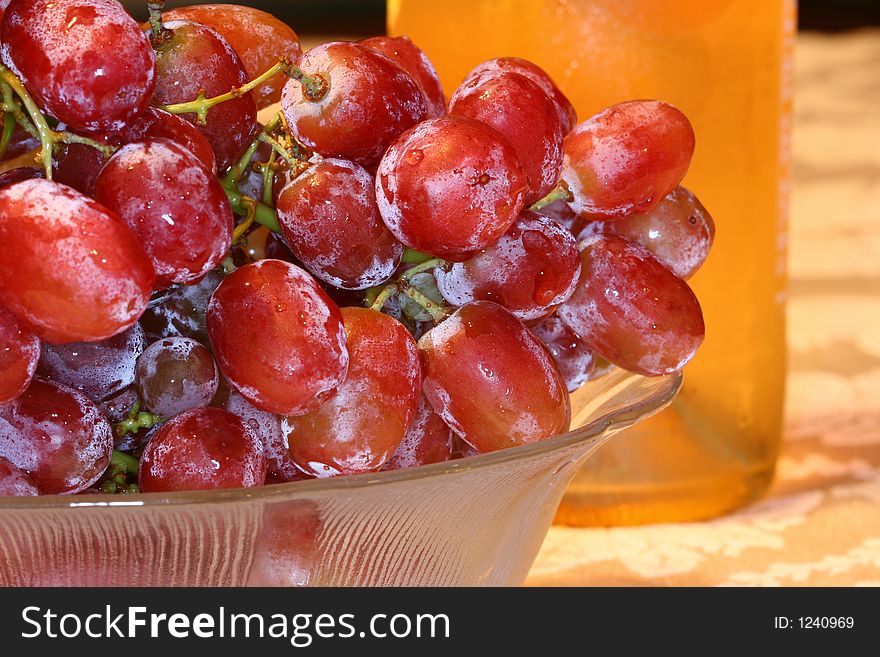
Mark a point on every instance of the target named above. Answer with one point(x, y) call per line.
point(474, 521)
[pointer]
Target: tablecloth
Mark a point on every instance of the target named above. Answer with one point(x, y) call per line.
point(820, 522)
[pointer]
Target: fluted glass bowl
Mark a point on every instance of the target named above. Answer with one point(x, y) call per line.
point(475, 521)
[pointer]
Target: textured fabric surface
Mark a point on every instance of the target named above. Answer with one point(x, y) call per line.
point(820, 523)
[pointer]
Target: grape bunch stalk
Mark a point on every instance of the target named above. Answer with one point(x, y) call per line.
point(376, 278)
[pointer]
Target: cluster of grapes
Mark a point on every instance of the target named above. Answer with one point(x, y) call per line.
point(374, 279)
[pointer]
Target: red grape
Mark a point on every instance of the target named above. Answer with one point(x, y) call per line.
point(520, 110)
point(14, 482)
point(57, 436)
point(278, 337)
point(678, 232)
point(69, 269)
point(532, 269)
point(575, 360)
point(268, 428)
point(202, 449)
point(362, 425)
point(12, 176)
point(86, 62)
point(175, 206)
point(174, 375)
point(328, 216)
point(158, 123)
point(257, 37)
point(450, 187)
point(197, 59)
point(562, 214)
point(77, 166)
point(411, 59)
point(491, 380)
point(19, 353)
point(633, 310)
point(428, 440)
point(97, 369)
point(182, 312)
point(370, 102)
point(564, 109)
point(626, 158)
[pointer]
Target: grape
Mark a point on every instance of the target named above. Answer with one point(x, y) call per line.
point(450, 187)
point(562, 214)
point(491, 380)
point(411, 59)
point(268, 428)
point(12, 176)
point(69, 269)
point(632, 310)
point(277, 337)
point(77, 166)
point(20, 142)
point(116, 409)
point(182, 313)
point(626, 158)
point(574, 359)
point(14, 482)
point(57, 436)
point(175, 375)
point(158, 123)
point(520, 110)
point(678, 232)
point(328, 216)
point(360, 427)
point(175, 206)
point(196, 59)
point(564, 109)
point(257, 37)
point(86, 62)
point(286, 550)
point(532, 269)
point(19, 353)
point(202, 449)
point(97, 369)
point(428, 440)
point(370, 102)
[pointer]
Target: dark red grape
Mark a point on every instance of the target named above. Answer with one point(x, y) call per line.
point(182, 312)
point(14, 482)
point(157, 123)
point(19, 353)
point(521, 111)
point(564, 109)
point(57, 436)
point(370, 102)
point(268, 428)
point(362, 425)
point(633, 310)
point(575, 360)
point(532, 269)
point(197, 59)
point(175, 206)
point(97, 369)
point(411, 59)
point(278, 337)
point(450, 187)
point(491, 380)
point(678, 232)
point(69, 269)
point(562, 214)
point(77, 166)
point(175, 375)
point(202, 449)
point(20, 143)
point(12, 176)
point(626, 158)
point(428, 440)
point(258, 37)
point(329, 218)
point(86, 62)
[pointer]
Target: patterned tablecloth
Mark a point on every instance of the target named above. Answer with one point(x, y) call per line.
point(820, 524)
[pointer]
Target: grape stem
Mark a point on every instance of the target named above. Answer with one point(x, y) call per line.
point(437, 312)
point(263, 214)
point(413, 257)
point(268, 168)
point(159, 34)
point(47, 136)
point(251, 207)
point(559, 193)
point(136, 420)
point(314, 88)
point(8, 127)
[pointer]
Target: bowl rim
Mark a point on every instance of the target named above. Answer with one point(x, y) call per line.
point(665, 388)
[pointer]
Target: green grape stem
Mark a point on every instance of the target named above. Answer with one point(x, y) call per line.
point(263, 214)
point(559, 193)
point(135, 420)
point(9, 124)
point(377, 300)
point(159, 34)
